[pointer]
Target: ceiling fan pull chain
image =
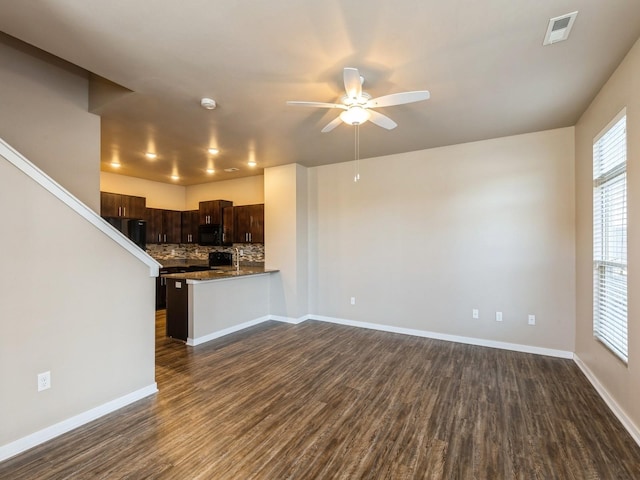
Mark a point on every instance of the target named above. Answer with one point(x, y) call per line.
point(356, 177)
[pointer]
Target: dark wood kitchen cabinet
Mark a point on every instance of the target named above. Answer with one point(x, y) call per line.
point(211, 211)
point(249, 223)
point(227, 226)
point(125, 206)
point(177, 324)
point(190, 222)
point(163, 226)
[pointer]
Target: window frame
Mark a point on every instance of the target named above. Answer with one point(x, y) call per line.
point(610, 235)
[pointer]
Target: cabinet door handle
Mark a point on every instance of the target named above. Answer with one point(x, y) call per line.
point(124, 209)
point(250, 237)
point(165, 238)
point(159, 238)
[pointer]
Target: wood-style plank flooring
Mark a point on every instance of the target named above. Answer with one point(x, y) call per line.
point(323, 401)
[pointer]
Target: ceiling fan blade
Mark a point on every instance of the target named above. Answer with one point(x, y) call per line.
point(316, 104)
point(399, 99)
point(352, 82)
point(331, 125)
point(381, 120)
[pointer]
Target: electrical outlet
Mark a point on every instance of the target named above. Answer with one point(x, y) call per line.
point(475, 313)
point(532, 319)
point(498, 316)
point(353, 300)
point(242, 253)
point(44, 381)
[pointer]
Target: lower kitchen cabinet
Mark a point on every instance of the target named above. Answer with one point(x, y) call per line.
point(161, 290)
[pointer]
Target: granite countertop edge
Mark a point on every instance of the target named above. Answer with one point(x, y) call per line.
point(224, 273)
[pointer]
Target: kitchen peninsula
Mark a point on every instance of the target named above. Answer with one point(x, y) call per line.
point(204, 305)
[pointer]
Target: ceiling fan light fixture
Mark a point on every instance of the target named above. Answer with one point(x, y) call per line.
point(355, 115)
point(208, 103)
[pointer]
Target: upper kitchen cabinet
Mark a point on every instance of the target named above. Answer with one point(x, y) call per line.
point(163, 226)
point(211, 211)
point(227, 226)
point(249, 223)
point(125, 206)
point(190, 222)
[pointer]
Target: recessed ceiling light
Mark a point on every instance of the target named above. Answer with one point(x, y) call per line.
point(208, 103)
point(232, 169)
point(115, 164)
point(252, 163)
point(175, 177)
point(214, 151)
point(151, 155)
point(210, 171)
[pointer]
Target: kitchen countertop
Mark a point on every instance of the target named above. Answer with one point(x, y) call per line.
point(220, 273)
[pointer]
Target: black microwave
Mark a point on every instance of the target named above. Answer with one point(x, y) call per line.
point(210, 235)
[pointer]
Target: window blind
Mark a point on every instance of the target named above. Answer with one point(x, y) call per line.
point(610, 237)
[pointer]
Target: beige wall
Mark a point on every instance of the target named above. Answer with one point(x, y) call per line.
point(242, 191)
point(72, 302)
point(44, 116)
point(622, 382)
point(286, 239)
point(427, 236)
point(158, 195)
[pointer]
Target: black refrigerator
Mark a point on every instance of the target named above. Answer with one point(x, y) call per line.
point(133, 228)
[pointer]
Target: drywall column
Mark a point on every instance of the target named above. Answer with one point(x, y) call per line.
point(286, 239)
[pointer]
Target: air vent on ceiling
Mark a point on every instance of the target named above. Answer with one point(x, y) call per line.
point(559, 28)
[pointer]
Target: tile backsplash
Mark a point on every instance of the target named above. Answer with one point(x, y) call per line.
point(252, 252)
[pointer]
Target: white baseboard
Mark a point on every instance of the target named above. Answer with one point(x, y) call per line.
point(449, 338)
point(192, 342)
point(46, 434)
point(633, 430)
point(293, 321)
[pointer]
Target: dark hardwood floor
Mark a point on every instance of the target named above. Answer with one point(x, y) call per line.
point(322, 401)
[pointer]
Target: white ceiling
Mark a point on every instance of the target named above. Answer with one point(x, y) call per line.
point(482, 60)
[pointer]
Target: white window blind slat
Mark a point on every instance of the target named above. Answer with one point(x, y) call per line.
point(610, 238)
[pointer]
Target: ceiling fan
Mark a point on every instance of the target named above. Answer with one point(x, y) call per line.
point(357, 105)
